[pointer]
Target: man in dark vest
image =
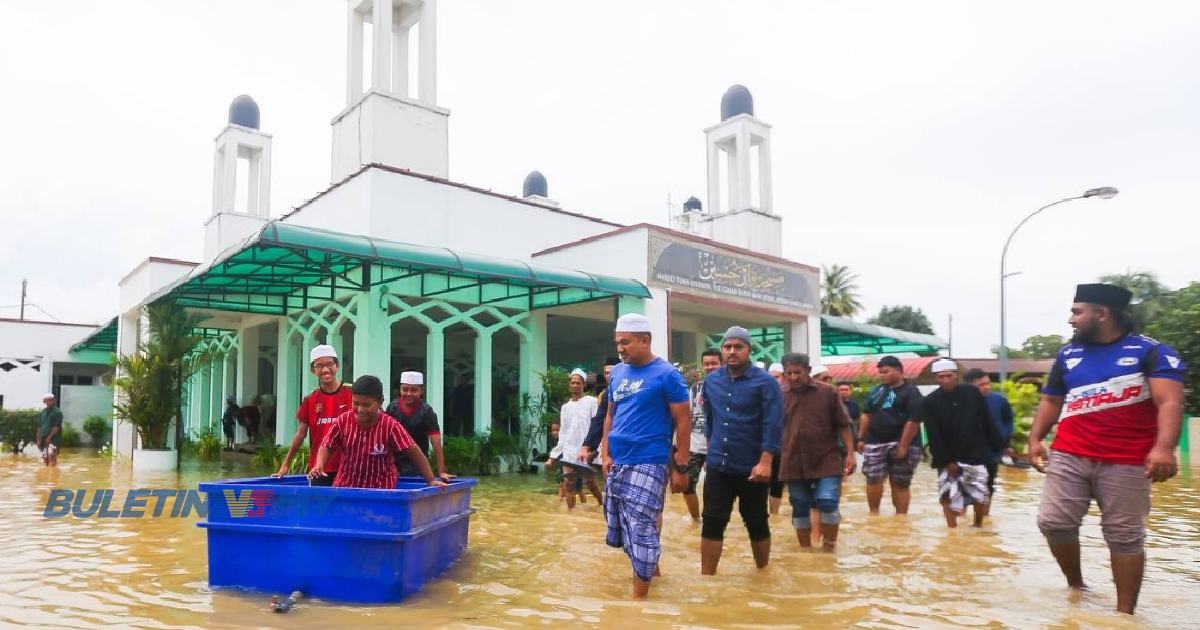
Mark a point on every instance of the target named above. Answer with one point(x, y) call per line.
point(421, 422)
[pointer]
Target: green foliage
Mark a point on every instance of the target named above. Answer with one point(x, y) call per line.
point(70, 438)
point(460, 454)
point(1042, 346)
point(18, 428)
point(839, 291)
point(209, 444)
point(903, 318)
point(299, 461)
point(692, 373)
point(150, 381)
point(98, 429)
point(1024, 399)
point(105, 452)
point(1177, 324)
point(269, 457)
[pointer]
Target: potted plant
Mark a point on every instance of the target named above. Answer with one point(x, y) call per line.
point(150, 383)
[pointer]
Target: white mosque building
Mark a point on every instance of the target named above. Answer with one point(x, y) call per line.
point(498, 288)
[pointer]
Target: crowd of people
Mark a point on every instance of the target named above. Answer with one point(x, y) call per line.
point(1115, 396)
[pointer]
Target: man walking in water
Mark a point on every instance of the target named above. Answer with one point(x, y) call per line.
point(648, 399)
point(575, 417)
point(710, 360)
point(744, 408)
point(1118, 400)
point(961, 437)
point(889, 436)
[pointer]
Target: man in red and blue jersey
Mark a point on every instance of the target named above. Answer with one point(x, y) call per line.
point(1118, 400)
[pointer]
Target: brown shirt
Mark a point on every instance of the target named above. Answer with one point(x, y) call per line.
point(813, 415)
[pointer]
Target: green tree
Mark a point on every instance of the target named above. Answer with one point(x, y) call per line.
point(1177, 323)
point(1013, 353)
point(839, 291)
point(1146, 290)
point(903, 318)
point(1042, 346)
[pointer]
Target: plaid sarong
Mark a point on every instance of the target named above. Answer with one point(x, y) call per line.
point(965, 489)
point(877, 463)
point(633, 500)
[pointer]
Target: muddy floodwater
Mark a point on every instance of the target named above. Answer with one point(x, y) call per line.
point(530, 563)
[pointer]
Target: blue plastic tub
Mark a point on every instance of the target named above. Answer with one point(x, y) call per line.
point(341, 544)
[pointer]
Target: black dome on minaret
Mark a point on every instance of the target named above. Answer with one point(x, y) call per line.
point(244, 111)
point(535, 184)
point(737, 100)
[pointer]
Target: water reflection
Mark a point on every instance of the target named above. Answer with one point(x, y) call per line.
point(532, 563)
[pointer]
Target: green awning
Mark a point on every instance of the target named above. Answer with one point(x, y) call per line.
point(841, 337)
point(285, 267)
point(104, 339)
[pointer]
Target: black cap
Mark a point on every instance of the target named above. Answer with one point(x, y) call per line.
point(890, 361)
point(1103, 294)
point(367, 385)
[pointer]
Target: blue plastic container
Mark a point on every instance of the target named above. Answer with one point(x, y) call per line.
point(341, 544)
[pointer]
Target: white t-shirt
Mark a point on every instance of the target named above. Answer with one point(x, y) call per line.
point(574, 420)
point(699, 443)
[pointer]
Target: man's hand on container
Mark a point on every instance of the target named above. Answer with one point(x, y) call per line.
point(316, 473)
point(283, 470)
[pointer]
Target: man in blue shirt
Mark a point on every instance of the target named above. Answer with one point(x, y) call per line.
point(744, 408)
point(647, 400)
point(1001, 414)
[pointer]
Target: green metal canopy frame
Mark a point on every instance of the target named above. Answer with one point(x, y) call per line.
point(104, 339)
point(287, 267)
point(842, 337)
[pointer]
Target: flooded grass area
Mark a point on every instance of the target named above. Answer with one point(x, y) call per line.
point(532, 563)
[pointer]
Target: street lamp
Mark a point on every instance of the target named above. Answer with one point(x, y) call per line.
point(1104, 192)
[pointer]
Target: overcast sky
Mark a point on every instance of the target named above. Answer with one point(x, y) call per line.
point(908, 137)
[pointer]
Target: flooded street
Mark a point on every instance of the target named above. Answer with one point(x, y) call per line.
point(530, 563)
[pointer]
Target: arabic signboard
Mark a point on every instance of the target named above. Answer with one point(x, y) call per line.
point(696, 268)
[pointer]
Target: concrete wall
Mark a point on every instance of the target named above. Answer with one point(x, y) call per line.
point(623, 255)
point(31, 348)
point(410, 209)
point(80, 401)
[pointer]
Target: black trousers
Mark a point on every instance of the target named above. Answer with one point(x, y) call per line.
point(720, 491)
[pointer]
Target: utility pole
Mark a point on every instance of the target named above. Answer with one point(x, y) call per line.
point(23, 285)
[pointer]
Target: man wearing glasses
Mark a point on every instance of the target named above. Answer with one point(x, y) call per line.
point(318, 412)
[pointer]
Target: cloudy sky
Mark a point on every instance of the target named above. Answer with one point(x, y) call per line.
point(908, 137)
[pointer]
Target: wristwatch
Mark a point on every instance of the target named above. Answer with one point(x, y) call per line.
point(680, 468)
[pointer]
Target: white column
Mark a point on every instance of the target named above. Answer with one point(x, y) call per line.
point(400, 59)
point(229, 175)
point(287, 390)
point(354, 53)
point(218, 178)
point(742, 195)
point(216, 384)
point(714, 178)
point(814, 336)
point(533, 356)
point(658, 312)
point(253, 182)
point(427, 57)
point(764, 174)
point(124, 436)
point(381, 39)
point(483, 382)
point(263, 184)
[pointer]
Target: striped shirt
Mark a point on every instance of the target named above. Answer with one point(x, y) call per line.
point(367, 454)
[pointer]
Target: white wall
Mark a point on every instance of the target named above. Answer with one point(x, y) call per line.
point(623, 255)
point(410, 209)
point(45, 342)
point(147, 277)
point(80, 401)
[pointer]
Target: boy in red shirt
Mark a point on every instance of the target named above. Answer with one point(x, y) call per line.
point(319, 411)
point(368, 441)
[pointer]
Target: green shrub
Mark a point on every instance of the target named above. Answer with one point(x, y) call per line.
point(70, 438)
point(18, 428)
point(461, 455)
point(299, 461)
point(105, 452)
point(98, 429)
point(209, 444)
point(1024, 399)
point(269, 456)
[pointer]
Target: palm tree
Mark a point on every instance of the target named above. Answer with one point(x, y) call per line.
point(174, 337)
point(1146, 290)
point(839, 291)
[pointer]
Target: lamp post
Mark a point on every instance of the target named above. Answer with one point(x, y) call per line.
point(1106, 192)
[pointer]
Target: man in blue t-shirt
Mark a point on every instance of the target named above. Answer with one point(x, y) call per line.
point(647, 400)
point(1001, 414)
